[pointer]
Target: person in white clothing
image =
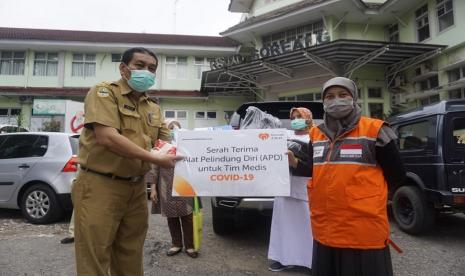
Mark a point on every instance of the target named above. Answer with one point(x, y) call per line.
point(291, 239)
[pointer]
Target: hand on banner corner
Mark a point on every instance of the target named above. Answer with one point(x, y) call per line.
point(292, 159)
point(166, 154)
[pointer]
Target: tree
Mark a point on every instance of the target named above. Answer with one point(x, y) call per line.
point(51, 126)
point(20, 120)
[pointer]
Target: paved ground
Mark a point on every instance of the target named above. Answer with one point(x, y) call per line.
point(27, 249)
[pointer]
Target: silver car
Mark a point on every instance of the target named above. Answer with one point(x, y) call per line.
point(36, 171)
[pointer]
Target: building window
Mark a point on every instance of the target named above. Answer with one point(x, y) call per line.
point(208, 115)
point(456, 74)
point(393, 32)
point(445, 12)
point(45, 64)
point(421, 18)
point(202, 64)
point(176, 68)
point(375, 92)
point(430, 100)
point(176, 114)
point(429, 83)
point(302, 97)
point(457, 93)
point(200, 114)
point(116, 57)
point(83, 65)
point(8, 116)
point(301, 32)
point(12, 63)
point(376, 110)
point(211, 115)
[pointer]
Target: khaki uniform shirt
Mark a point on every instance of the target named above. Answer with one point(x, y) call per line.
point(140, 121)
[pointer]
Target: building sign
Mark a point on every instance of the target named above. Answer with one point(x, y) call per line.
point(48, 107)
point(273, 49)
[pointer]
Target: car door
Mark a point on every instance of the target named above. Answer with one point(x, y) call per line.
point(18, 155)
point(417, 141)
point(454, 136)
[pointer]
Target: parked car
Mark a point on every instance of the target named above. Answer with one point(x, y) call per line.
point(226, 209)
point(432, 146)
point(36, 171)
point(12, 128)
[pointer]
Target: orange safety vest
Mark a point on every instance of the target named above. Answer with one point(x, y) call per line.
point(347, 192)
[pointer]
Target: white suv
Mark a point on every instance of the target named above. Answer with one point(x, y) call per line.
point(36, 171)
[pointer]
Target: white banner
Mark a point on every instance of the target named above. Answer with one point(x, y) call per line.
point(249, 162)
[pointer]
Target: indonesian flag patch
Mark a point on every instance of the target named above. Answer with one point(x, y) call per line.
point(351, 151)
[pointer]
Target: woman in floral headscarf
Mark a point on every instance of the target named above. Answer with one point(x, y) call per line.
point(291, 238)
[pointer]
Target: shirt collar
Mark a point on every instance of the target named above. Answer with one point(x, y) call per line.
point(123, 84)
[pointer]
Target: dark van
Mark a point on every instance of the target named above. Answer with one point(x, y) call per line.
point(431, 140)
point(225, 209)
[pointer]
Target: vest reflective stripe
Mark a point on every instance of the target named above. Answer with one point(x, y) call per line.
point(348, 192)
point(358, 150)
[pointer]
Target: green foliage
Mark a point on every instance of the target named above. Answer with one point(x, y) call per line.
point(51, 126)
point(20, 121)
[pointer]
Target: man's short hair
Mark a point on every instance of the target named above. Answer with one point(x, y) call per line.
point(129, 53)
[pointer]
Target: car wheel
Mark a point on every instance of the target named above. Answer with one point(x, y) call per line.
point(412, 212)
point(40, 205)
point(222, 220)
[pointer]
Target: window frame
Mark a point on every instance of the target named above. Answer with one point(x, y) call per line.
point(420, 18)
point(454, 143)
point(85, 62)
point(317, 97)
point(430, 144)
point(204, 66)
point(10, 116)
point(382, 109)
point(177, 66)
point(12, 60)
point(176, 112)
point(205, 116)
point(16, 137)
point(461, 91)
point(394, 34)
point(381, 96)
point(113, 55)
point(429, 83)
point(443, 3)
point(316, 27)
point(47, 61)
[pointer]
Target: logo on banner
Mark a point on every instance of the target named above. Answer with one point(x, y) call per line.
point(263, 136)
point(351, 151)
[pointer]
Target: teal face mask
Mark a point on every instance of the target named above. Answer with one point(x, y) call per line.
point(141, 80)
point(298, 124)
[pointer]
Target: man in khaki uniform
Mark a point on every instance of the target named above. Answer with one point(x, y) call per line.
point(109, 195)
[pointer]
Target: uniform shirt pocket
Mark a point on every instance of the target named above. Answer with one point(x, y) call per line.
point(153, 124)
point(130, 119)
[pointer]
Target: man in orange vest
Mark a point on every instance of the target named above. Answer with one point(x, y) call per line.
point(355, 160)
